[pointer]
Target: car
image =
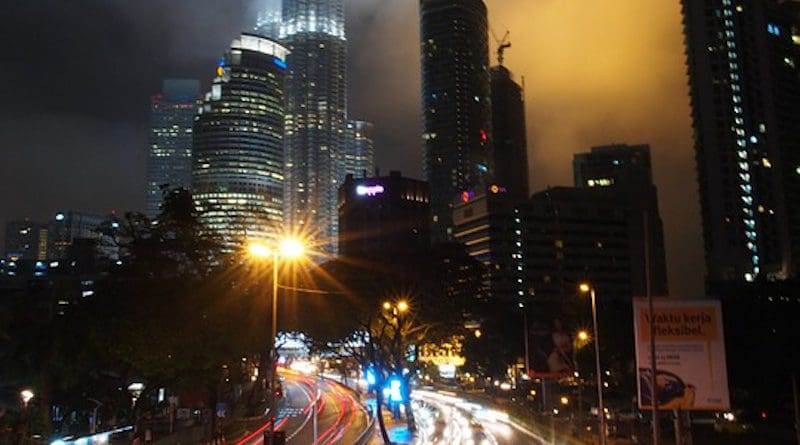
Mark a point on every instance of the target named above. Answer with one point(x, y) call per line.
point(733, 423)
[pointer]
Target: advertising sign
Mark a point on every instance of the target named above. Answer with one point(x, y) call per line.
point(690, 355)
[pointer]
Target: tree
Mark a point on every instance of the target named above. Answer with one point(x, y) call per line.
point(382, 346)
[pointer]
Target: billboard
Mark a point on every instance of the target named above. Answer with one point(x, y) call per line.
point(690, 354)
point(552, 350)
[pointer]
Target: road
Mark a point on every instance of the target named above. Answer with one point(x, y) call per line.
point(448, 419)
point(340, 417)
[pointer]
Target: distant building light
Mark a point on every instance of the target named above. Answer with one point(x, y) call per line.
point(600, 182)
point(60, 217)
point(773, 29)
point(87, 293)
point(369, 190)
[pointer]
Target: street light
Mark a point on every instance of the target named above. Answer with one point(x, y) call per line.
point(402, 306)
point(26, 395)
point(583, 336)
point(287, 248)
point(587, 288)
point(136, 389)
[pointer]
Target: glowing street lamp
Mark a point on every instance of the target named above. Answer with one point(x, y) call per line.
point(287, 249)
point(588, 288)
point(259, 250)
point(136, 389)
point(26, 395)
point(402, 306)
point(387, 305)
point(583, 336)
point(291, 248)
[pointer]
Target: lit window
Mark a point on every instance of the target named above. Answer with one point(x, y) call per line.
point(797, 170)
point(766, 163)
point(773, 29)
point(753, 140)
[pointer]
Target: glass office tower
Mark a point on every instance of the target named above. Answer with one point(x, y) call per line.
point(238, 143)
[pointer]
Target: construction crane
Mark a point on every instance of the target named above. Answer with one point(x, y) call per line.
point(502, 45)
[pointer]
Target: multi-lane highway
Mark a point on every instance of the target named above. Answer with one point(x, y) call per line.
point(340, 417)
point(449, 419)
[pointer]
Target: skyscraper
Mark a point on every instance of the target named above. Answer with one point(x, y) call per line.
point(169, 163)
point(456, 104)
point(626, 172)
point(359, 149)
point(510, 134)
point(316, 114)
point(238, 143)
point(743, 59)
point(268, 21)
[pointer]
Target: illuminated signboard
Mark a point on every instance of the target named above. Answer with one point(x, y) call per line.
point(370, 190)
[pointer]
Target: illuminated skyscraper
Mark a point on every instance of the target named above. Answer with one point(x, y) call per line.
point(743, 59)
point(268, 21)
point(169, 164)
point(238, 143)
point(316, 101)
point(359, 149)
point(457, 104)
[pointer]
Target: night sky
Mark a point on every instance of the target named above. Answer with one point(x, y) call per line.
point(76, 78)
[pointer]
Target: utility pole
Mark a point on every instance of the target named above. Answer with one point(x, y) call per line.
point(653, 366)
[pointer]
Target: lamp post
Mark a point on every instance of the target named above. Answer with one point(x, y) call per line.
point(26, 395)
point(135, 389)
point(587, 288)
point(288, 248)
point(525, 336)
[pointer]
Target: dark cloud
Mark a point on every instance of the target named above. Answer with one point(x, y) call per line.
point(76, 77)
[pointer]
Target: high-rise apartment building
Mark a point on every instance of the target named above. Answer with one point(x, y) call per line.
point(316, 115)
point(456, 102)
point(169, 163)
point(743, 59)
point(510, 134)
point(359, 149)
point(238, 174)
point(626, 171)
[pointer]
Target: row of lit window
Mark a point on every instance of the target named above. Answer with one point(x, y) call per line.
point(745, 186)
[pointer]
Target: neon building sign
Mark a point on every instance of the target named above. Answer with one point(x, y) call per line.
point(370, 190)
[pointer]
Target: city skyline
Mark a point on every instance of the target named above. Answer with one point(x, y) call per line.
point(559, 121)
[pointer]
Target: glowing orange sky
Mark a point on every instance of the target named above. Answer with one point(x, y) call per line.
point(596, 72)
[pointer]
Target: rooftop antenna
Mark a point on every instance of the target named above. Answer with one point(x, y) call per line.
point(502, 45)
